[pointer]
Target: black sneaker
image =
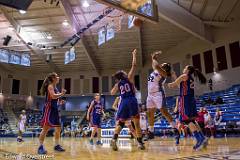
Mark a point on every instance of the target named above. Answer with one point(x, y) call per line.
point(177, 138)
point(145, 138)
point(114, 145)
point(59, 148)
point(141, 146)
point(99, 143)
point(20, 140)
point(150, 135)
point(41, 150)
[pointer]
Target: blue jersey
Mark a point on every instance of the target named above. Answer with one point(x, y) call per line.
point(187, 87)
point(126, 88)
point(50, 111)
point(97, 109)
point(54, 102)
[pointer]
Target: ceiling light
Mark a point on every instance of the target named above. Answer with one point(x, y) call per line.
point(65, 23)
point(85, 4)
point(49, 36)
point(22, 11)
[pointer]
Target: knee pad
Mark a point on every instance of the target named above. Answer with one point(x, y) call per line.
point(121, 124)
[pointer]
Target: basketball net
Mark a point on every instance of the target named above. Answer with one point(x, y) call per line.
point(116, 23)
point(115, 20)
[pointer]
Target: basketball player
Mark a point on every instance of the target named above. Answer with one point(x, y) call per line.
point(143, 120)
point(73, 128)
point(128, 107)
point(156, 94)
point(21, 125)
point(94, 115)
point(51, 116)
point(187, 107)
point(128, 123)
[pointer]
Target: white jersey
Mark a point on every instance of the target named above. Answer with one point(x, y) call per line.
point(155, 82)
point(22, 122)
point(23, 118)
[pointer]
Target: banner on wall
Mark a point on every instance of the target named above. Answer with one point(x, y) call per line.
point(4, 56)
point(25, 60)
point(14, 57)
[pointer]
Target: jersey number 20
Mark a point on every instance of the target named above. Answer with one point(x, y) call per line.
point(125, 88)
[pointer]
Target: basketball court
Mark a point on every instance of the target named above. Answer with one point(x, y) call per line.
point(79, 149)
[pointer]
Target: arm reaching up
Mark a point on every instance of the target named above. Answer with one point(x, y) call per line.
point(155, 64)
point(134, 66)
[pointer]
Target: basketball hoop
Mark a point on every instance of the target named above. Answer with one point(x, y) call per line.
point(115, 20)
point(116, 23)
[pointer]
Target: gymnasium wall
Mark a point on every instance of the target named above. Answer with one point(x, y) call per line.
point(7, 79)
point(82, 85)
point(180, 53)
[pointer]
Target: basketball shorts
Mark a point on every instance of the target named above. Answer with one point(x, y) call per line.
point(50, 116)
point(21, 127)
point(156, 100)
point(95, 122)
point(128, 109)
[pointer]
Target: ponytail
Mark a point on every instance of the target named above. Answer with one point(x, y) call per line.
point(167, 68)
point(192, 70)
point(48, 80)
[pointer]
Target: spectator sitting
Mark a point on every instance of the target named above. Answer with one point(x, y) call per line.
point(209, 125)
point(210, 84)
point(205, 110)
point(73, 128)
point(209, 100)
point(218, 117)
point(219, 100)
point(67, 131)
point(200, 118)
point(238, 93)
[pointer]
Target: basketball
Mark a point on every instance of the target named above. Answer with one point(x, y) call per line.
point(137, 22)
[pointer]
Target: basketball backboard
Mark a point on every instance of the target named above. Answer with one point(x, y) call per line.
point(144, 9)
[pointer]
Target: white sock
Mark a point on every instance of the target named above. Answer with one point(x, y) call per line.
point(151, 128)
point(40, 143)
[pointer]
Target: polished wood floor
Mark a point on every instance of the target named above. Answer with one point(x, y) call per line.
point(159, 149)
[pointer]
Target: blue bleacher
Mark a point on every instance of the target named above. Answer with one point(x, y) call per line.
point(230, 109)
